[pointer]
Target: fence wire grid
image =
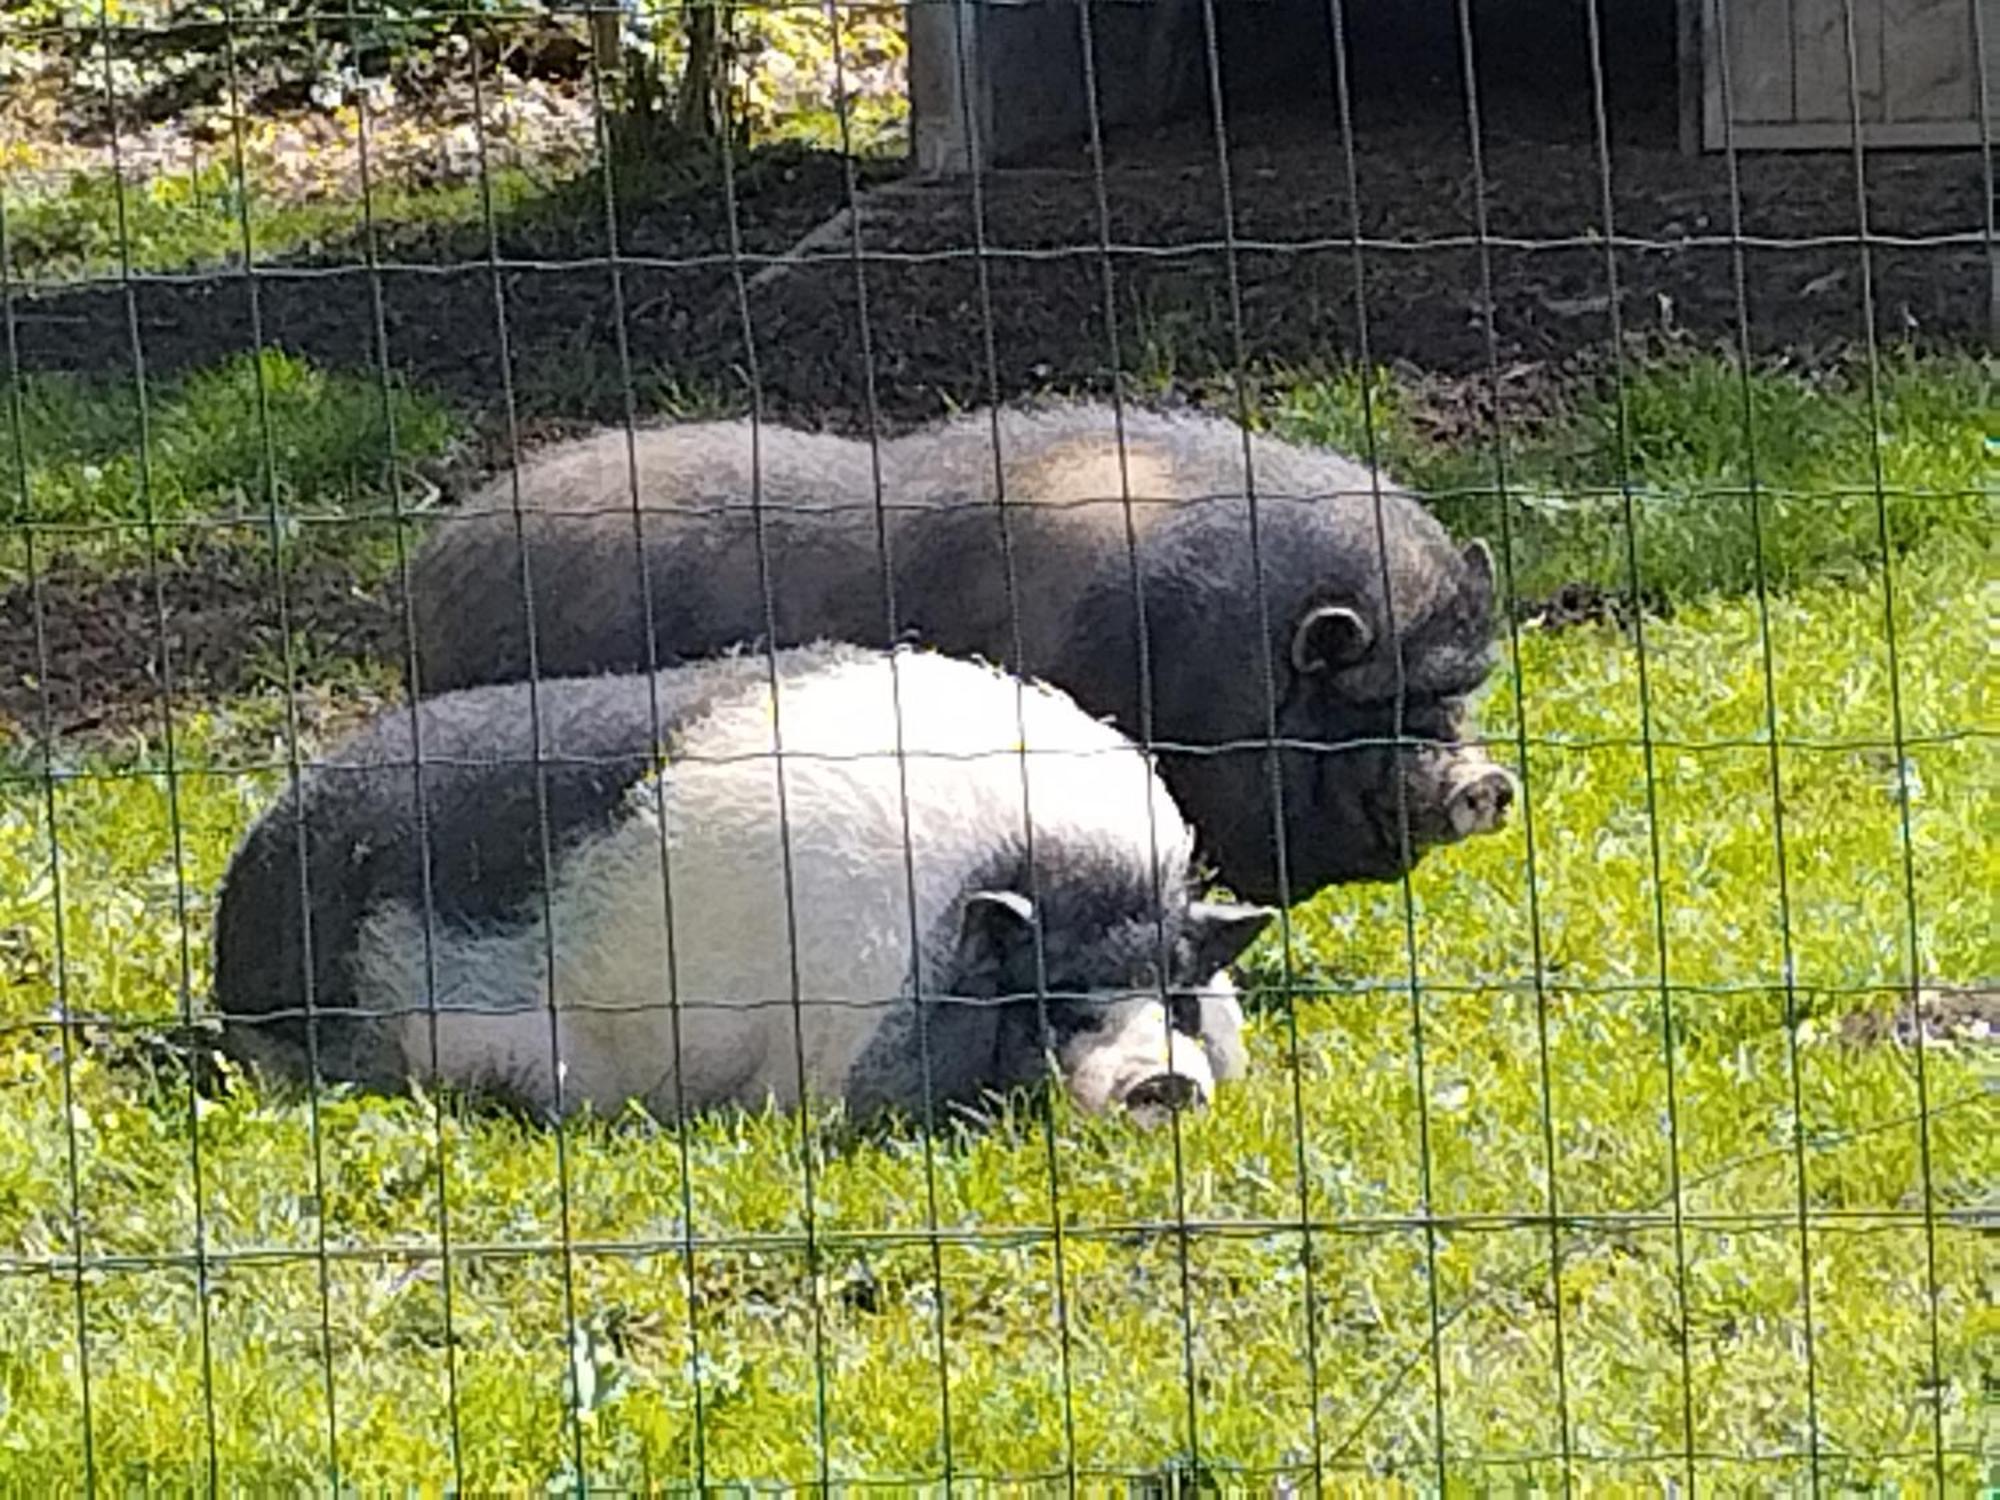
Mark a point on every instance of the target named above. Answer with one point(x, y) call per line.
point(1503, 1199)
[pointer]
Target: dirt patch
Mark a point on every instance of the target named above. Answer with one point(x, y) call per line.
point(1182, 299)
point(120, 647)
point(1025, 295)
point(1580, 602)
point(1943, 1016)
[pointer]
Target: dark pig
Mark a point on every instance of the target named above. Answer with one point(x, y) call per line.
point(1095, 529)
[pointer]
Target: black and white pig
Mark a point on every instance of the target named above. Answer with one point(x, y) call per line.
point(659, 937)
point(1082, 562)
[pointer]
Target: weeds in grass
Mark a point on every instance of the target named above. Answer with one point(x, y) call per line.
point(99, 224)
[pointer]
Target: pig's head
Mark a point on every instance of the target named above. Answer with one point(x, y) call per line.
point(1139, 1011)
point(1374, 765)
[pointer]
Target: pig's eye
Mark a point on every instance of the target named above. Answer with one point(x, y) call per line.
point(1432, 719)
point(1423, 718)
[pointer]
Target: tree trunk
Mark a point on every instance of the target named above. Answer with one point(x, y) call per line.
point(695, 105)
point(604, 41)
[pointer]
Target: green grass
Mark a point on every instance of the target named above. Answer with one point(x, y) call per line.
point(195, 220)
point(221, 446)
point(1811, 447)
point(273, 1326)
point(135, 860)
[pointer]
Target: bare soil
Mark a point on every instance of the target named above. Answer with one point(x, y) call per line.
point(962, 306)
point(120, 649)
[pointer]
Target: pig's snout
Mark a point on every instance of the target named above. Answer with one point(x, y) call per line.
point(1139, 1063)
point(1456, 791)
point(1478, 799)
point(1153, 1099)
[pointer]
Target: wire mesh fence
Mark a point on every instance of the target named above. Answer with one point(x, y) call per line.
point(1644, 1139)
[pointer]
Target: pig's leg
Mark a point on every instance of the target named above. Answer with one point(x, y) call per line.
point(969, 1053)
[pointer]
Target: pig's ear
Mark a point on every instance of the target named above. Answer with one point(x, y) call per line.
point(1330, 636)
point(1221, 932)
point(1478, 585)
point(994, 925)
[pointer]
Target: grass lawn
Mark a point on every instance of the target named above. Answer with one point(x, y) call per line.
point(1466, 1215)
point(97, 224)
point(223, 444)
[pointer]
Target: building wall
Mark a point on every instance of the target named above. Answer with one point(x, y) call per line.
point(1914, 68)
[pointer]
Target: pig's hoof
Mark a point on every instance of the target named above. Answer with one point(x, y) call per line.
point(1480, 806)
point(1153, 1099)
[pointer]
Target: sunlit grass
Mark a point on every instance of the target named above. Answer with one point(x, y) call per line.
point(110, 473)
point(1278, 1350)
point(98, 225)
point(1730, 474)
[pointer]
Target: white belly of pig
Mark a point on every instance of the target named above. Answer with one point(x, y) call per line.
point(616, 976)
